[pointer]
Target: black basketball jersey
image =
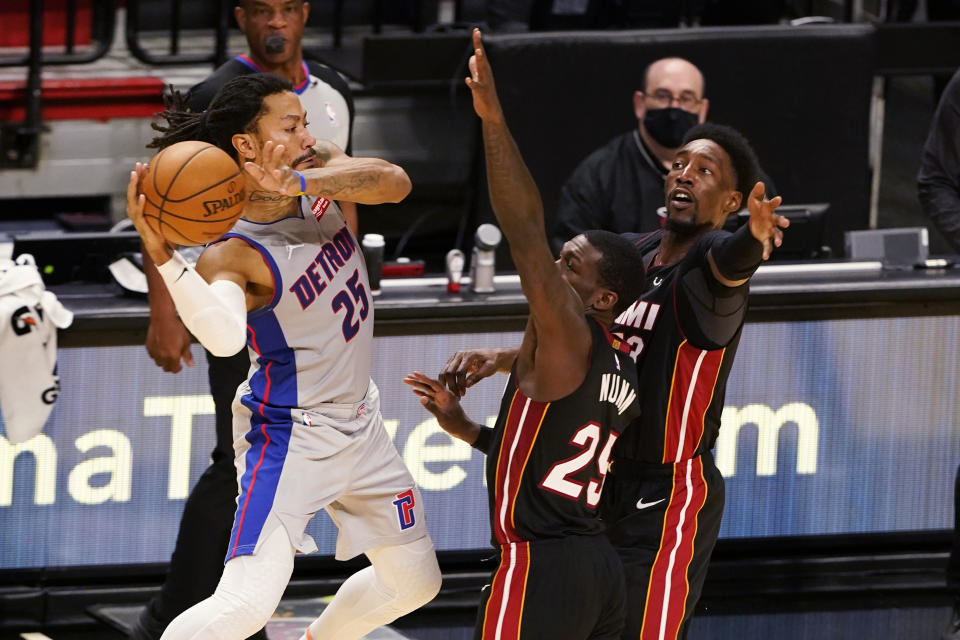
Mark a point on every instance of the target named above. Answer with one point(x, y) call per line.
point(547, 461)
point(681, 373)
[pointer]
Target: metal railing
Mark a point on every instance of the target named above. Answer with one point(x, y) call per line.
point(134, 32)
point(20, 141)
point(102, 27)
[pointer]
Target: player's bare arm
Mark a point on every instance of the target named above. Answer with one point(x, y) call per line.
point(556, 365)
point(341, 177)
point(236, 261)
point(468, 367)
point(445, 407)
point(766, 226)
point(168, 341)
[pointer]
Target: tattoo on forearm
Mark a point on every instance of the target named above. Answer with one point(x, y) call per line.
point(346, 185)
point(266, 196)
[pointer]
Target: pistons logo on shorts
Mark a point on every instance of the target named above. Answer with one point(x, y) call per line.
point(319, 207)
point(405, 504)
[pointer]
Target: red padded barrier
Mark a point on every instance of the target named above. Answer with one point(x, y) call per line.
point(15, 17)
point(96, 98)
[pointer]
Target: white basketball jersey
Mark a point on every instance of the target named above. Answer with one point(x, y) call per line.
point(312, 343)
point(327, 109)
point(327, 112)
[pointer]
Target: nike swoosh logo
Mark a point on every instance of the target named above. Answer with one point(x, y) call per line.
point(646, 505)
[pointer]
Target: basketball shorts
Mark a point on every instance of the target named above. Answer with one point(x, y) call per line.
point(292, 463)
point(663, 520)
point(568, 588)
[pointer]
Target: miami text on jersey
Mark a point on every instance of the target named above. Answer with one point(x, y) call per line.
point(639, 317)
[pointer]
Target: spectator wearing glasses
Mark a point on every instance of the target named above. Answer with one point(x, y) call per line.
point(619, 187)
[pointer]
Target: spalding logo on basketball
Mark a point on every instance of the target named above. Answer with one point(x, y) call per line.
point(194, 193)
point(215, 207)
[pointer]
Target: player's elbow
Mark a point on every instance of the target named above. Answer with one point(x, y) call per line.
point(221, 335)
point(227, 345)
point(399, 184)
point(225, 348)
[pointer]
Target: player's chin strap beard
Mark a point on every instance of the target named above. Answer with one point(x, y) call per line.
point(685, 229)
point(306, 155)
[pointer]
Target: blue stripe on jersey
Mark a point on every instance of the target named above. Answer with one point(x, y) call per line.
point(272, 386)
point(273, 390)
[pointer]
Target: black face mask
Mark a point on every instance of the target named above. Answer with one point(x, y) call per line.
point(668, 126)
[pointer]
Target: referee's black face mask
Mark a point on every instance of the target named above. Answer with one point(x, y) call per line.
point(668, 125)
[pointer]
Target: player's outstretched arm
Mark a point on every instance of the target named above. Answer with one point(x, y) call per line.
point(341, 177)
point(445, 407)
point(734, 261)
point(719, 300)
point(562, 336)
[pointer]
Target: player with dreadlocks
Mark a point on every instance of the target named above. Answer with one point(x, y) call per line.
point(289, 281)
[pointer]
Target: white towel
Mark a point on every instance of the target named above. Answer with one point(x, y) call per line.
point(29, 318)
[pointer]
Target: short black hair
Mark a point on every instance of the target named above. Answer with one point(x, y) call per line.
point(621, 268)
point(746, 167)
point(236, 108)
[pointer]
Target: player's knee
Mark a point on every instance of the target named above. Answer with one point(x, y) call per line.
point(421, 586)
point(258, 612)
point(411, 572)
point(248, 612)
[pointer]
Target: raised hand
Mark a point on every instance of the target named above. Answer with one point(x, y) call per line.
point(766, 224)
point(485, 101)
point(273, 174)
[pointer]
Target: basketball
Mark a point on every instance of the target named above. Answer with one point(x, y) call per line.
point(194, 193)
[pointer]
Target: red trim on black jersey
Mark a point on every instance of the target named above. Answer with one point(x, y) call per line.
point(519, 435)
point(695, 373)
point(503, 615)
point(669, 587)
point(615, 342)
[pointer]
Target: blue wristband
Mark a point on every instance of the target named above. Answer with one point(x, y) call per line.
point(303, 182)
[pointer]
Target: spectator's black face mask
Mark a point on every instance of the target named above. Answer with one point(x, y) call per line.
point(668, 126)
